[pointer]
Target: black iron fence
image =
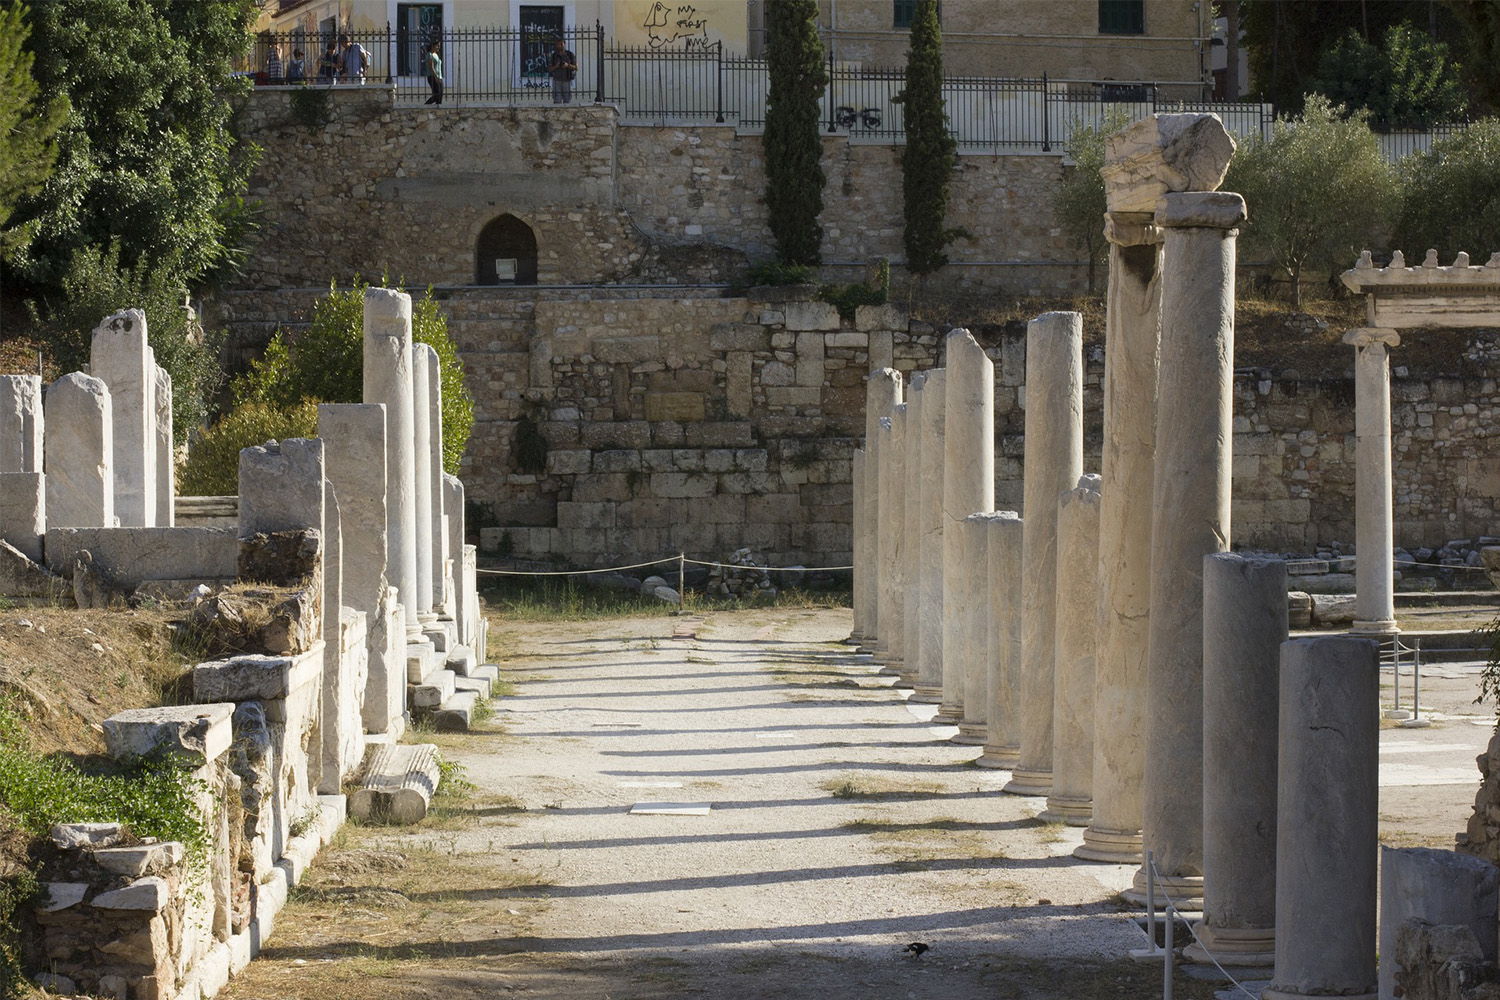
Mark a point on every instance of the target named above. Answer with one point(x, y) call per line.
point(702, 84)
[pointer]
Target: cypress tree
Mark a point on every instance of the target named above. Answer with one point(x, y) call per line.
point(792, 143)
point(927, 161)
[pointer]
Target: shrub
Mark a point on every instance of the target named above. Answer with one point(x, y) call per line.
point(773, 272)
point(1451, 199)
point(1079, 202)
point(213, 465)
point(847, 298)
point(1407, 78)
point(325, 363)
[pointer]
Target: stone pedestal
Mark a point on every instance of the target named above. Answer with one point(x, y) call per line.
point(882, 391)
point(79, 449)
point(1002, 746)
point(975, 648)
point(1441, 887)
point(1374, 602)
point(1326, 828)
point(863, 571)
point(929, 686)
point(121, 355)
point(1244, 625)
point(968, 487)
point(1132, 338)
point(1190, 500)
point(422, 472)
point(911, 520)
point(1054, 461)
point(388, 380)
point(893, 554)
point(21, 423)
point(1071, 800)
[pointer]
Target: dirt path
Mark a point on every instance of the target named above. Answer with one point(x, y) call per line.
point(839, 827)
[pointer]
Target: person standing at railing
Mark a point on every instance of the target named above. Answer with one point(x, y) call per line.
point(273, 64)
point(296, 68)
point(328, 66)
point(353, 61)
point(562, 66)
point(434, 63)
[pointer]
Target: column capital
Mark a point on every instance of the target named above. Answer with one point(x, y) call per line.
point(1365, 336)
point(1200, 209)
point(1131, 229)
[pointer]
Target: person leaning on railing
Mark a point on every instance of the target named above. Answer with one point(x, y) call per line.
point(273, 64)
point(353, 61)
point(328, 66)
point(296, 67)
point(562, 66)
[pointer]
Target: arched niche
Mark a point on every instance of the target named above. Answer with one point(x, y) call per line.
point(506, 238)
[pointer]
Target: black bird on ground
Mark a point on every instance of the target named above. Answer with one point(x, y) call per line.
point(916, 948)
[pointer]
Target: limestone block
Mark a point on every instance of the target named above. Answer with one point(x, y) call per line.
point(135, 555)
point(166, 456)
point(150, 893)
point(739, 337)
point(79, 450)
point(80, 836)
point(199, 733)
point(21, 576)
point(1440, 962)
point(21, 423)
point(255, 677)
point(798, 397)
point(1442, 887)
point(881, 317)
point(457, 712)
point(62, 895)
point(881, 349)
point(678, 406)
point(597, 516)
point(737, 385)
point(133, 862)
point(281, 486)
point(810, 356)
point(626, 350)
point(121, 356)
point(1162, 153)
point(23, 511)
point(846, 339)
point(682, 485)
point(568, 462)
point(811, 316)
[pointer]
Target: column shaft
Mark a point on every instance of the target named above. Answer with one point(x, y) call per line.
point(388, 380)
point(1003, 691)
point(859, 525)
point(911, 508)
point(929, 688)
point(882, 391)
point(892, 541)
point(422, 470)
point(975, 647)
point(1374, 602)
point(1077, 620)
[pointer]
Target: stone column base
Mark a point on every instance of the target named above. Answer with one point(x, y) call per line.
point(891, 667)
point(1232, 945)
point(1186, 891)
point(924, 695)
point(1116, 847)
point(1068, 809)
point(971, 734)
point(1024, 781)
point(1272, 993)
point(1385, 626)
point(948, 714)
point(999, 758)
point(907, 679)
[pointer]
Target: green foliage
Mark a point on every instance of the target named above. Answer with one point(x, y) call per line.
point(927, 159)
point(148, 153)
point(97, 285)
point(17, 890)
point(311, 106)
point(154, 796)
point(1489, 677)
point(212, 468)
point(1408, 78)
point(847, 298)
point(774, 272)
point(1079, 203)
point(325, 363)
point(1317, 191)
point(792, 142)
point(28, 124)
point(1452, 200)
point(531, 447)
point(1480, 23)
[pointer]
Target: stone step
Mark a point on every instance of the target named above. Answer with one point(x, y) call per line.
point(436, 689)
point(479, 685)
point(462, 661)
point(457, 712)
point(398, 785)
point(489, 672)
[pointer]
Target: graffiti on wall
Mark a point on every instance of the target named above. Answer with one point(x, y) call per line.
point(667, 24)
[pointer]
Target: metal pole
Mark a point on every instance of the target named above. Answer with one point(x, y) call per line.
point(599, 63)
point(830, 89)
point(1396, 672)
point(1047, 148)
point(681, 574)
point(719, 80)
point(1416, 680)
point(1166, 959)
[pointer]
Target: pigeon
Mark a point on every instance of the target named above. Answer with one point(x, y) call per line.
point(916, 948)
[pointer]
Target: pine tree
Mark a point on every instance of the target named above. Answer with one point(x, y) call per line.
point(28, 124)
point(793, 144)
point(927, 161)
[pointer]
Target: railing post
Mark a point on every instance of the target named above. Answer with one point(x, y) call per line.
point(599, 63)
point(719, 81)
point(829, 90)
point(390, 53)
point(1046, 116)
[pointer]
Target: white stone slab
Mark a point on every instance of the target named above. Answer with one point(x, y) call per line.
point(669, 809)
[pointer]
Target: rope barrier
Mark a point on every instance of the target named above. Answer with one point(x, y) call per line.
point(1155, 880)
point(1403, 562)
point(770, 569)
point(658, 562)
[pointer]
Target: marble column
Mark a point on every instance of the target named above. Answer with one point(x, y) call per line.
point(1132, 336)
point(1244, 625)
point(1326, 827)
point(434, 418)
point(79, 453)
point(422, 472)
point(166, 452)
point(388, 380)
point(968, 487)
point(1002, 745)
point(1054, 461)
point(21, 423)
point(882, 391)
point(893, 542)
point(911, 530)
point(120, 354)
point(860, 530)
point(1071, 799)
point(929, 686)
point(975, 650)
point(1190, 519)
point(1374, 601)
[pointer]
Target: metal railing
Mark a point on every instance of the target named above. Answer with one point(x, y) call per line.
point(702, 84)
point(1397, 653)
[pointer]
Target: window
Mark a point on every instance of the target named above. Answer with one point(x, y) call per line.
point(417, 26)
point(506, 253)
point(906, 11)
point(1122, 17)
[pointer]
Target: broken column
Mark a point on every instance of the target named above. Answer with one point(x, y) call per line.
point(1374, 592)
point(1442, 887)
point(434, 417)
point(1326, 828)
point(1244, 625)
point(976, 649)
point(883, 391)
point(1054, 461)
point(453, 516)
point(911, 520)
point(355, 452)
point(79, 450)
point(1071, 798)
point(23, 512)
point(929, 686)
point(388, 380)
point(121, 356)
point(1190, 497)
point(893, 544)
point(968, 486)
point(1002, 745)
point(21, 423)
point(166, 457)
point(422, 470)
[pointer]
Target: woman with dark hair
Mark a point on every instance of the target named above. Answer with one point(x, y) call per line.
point(433, 63)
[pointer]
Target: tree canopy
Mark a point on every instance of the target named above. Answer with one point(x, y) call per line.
point(792, 142)
point(28, 124)
point(1408, 78)
point(1451, 199)
point(1079, 202)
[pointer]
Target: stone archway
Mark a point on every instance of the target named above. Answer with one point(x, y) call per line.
point(505, 238)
